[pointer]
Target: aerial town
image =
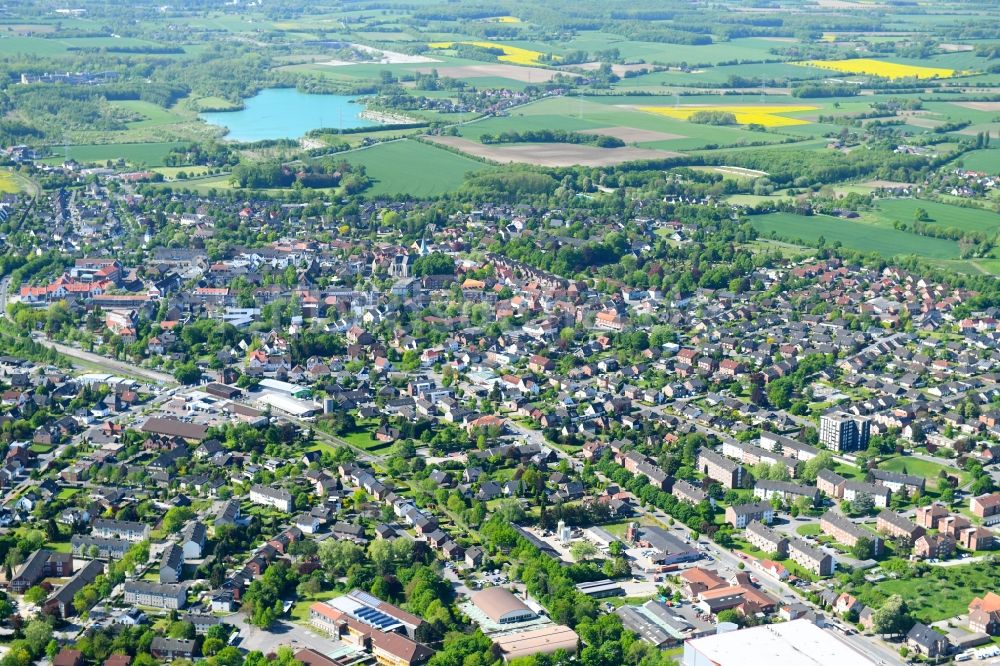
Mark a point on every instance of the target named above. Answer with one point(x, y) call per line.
point(451, 333)
point(353, 448)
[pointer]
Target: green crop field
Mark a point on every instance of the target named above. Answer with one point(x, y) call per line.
point(986, 161)
point(412, 167)
point(35, 46)
point(887, 242)
point(137, 154)
point(942, 216)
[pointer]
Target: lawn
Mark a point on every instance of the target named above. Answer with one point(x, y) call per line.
point(809, 529)
point(41, 449)
point(300, 611)
point(925, 468)
point(412, 167)
point(884, 241)
point(362, 439)
point(59, 546)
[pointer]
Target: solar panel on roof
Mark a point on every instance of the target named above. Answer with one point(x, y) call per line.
point(375, 618)
point(367, 599)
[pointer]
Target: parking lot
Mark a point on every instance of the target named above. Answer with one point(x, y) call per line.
point(284, 632)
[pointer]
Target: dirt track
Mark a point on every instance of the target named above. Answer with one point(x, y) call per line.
point(633, 134)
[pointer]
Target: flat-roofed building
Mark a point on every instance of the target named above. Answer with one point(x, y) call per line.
point(844, 432)
point(543, 640)
point(795, 643)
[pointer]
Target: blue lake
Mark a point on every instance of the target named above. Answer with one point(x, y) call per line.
point(286, 113)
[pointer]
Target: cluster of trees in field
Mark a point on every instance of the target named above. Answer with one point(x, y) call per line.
point(552, 136)
point(52, 108)
point(815, 90)
point(713, 118)
point(202, 154)
point(272, 173)
point(805, 168)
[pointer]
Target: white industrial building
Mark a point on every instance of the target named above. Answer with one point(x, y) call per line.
point(798, 643)
point(288, 405)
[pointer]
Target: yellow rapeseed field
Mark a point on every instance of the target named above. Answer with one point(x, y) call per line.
point(768, 116)
point(504, 19)
point(889, 70)
point(511, 54)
